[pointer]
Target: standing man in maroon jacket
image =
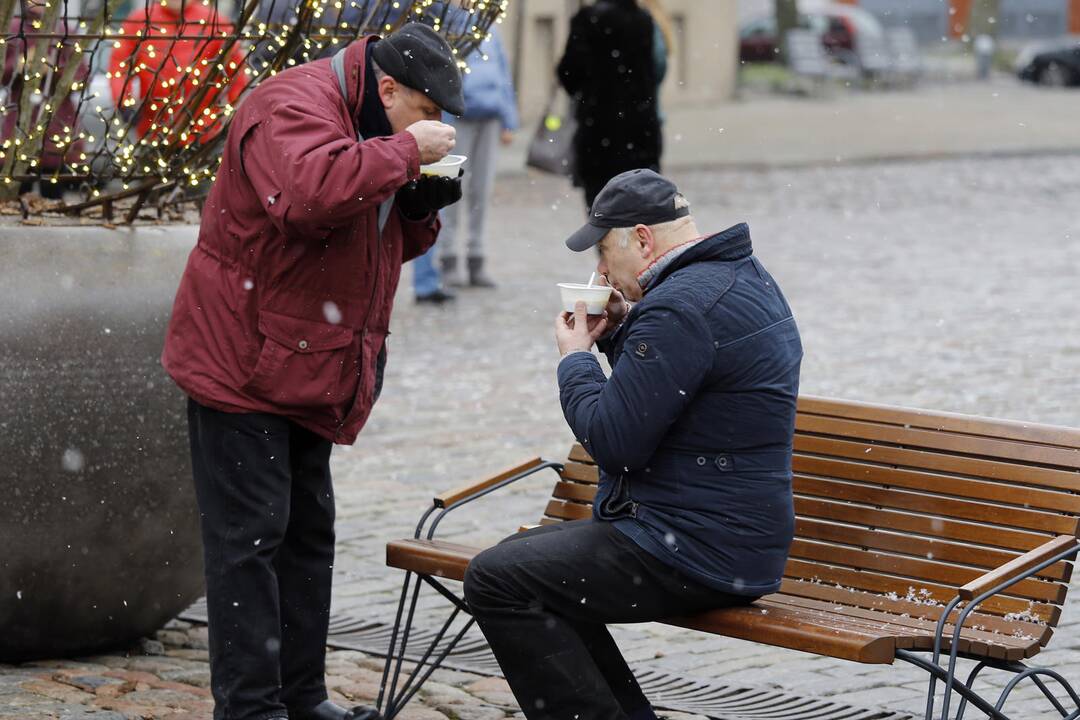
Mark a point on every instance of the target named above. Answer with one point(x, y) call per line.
point(278, 337)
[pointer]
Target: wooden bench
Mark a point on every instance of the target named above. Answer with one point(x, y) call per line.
point(909, 525)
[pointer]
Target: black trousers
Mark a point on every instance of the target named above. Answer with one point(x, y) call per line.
point(543, 597)
point(266, 506)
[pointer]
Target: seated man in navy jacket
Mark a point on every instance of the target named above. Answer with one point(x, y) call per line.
point(693, 435)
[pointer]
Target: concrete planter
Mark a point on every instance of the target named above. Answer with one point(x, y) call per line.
point(99, 539)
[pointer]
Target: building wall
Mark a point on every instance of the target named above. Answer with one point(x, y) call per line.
point(701, 70)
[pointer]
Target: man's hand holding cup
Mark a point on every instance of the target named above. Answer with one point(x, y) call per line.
point(434, 139)
point(578, 331)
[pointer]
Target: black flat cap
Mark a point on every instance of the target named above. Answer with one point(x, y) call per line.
point(633, 197)
point(417, 57)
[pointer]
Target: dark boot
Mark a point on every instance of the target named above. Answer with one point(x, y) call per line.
point(451, 275)
point(477, 277)
point(440, 296)
point(327, 710)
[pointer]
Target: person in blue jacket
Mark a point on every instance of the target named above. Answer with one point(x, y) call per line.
point(693, 435)
point(490, 120)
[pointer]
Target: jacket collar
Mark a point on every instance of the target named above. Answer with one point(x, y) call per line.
point(353, 67)
point(725, 246)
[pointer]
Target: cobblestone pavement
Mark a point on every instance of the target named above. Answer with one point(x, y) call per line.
point(169, 677)
point(948, 285)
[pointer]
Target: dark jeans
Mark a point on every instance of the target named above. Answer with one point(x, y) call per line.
point(266, 506)
point(543, 597)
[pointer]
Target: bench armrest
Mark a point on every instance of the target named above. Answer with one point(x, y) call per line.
point(1017, 567)
point(446, 499)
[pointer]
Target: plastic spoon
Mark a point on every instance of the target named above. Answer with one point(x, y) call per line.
point(591, 278)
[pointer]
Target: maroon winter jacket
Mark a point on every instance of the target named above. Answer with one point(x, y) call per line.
point(285, 303)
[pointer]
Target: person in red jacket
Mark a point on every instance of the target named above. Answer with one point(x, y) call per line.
point(154, 77)
point(278, 337)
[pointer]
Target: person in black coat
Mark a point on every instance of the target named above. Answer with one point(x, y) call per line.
point(608, 68)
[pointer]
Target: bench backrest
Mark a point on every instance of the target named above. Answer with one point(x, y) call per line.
point(907, 505)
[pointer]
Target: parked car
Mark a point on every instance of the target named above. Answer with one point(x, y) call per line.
point(1055, 63)
point(841, 28)
point(758, 40)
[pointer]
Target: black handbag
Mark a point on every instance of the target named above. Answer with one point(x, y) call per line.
point(552, 146)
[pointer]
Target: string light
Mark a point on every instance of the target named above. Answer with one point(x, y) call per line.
point(173, 119)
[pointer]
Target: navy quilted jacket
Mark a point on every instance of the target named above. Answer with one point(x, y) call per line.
point(693, 430)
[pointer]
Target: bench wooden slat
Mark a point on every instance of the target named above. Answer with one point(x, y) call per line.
point(938, 420)
point(567, 510)
point(881, 583)
point(960, 530)
point(961, 553)
point(934, 505)
point(431, 557)
point(983, 642)
point(930, 439)
point(1003, 470)
point(917, 571)
point(574, 491)
point(989, 491)
point(578, 453)
point(793, 628)
point(901, 606)
point(581, 472)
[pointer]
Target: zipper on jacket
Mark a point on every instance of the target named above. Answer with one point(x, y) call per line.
point(367, 319)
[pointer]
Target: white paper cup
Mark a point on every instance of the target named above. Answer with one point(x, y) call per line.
point(594, 297)
point(447, 167)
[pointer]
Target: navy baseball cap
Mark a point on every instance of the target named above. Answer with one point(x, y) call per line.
point(630, 198)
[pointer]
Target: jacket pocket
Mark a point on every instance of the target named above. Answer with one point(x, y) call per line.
point(301, 362)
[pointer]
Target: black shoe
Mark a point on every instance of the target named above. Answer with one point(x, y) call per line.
point(438, 297)
point(361, 712)
point(328, 710)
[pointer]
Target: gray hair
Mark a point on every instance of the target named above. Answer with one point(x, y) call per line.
point(623, 235)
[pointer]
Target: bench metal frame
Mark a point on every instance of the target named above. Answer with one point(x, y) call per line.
point(966, 688)
point(395, 698)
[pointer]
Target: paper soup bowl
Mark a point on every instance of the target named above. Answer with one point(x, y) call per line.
point(595, 297)
point(447, 167)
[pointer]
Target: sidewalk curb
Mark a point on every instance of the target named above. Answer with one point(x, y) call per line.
point(518, 171)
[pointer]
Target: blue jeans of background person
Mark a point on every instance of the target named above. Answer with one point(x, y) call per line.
point(266, 507)
point(543, 599)
point(426, 279)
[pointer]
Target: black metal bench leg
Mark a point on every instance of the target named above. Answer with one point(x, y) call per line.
point(390, 659)
point(971, 684)
point(1034, 673)
point(1053, 699)
point(952, 683)
point(413, 685)
point(391, 701)
point(1021, 672)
